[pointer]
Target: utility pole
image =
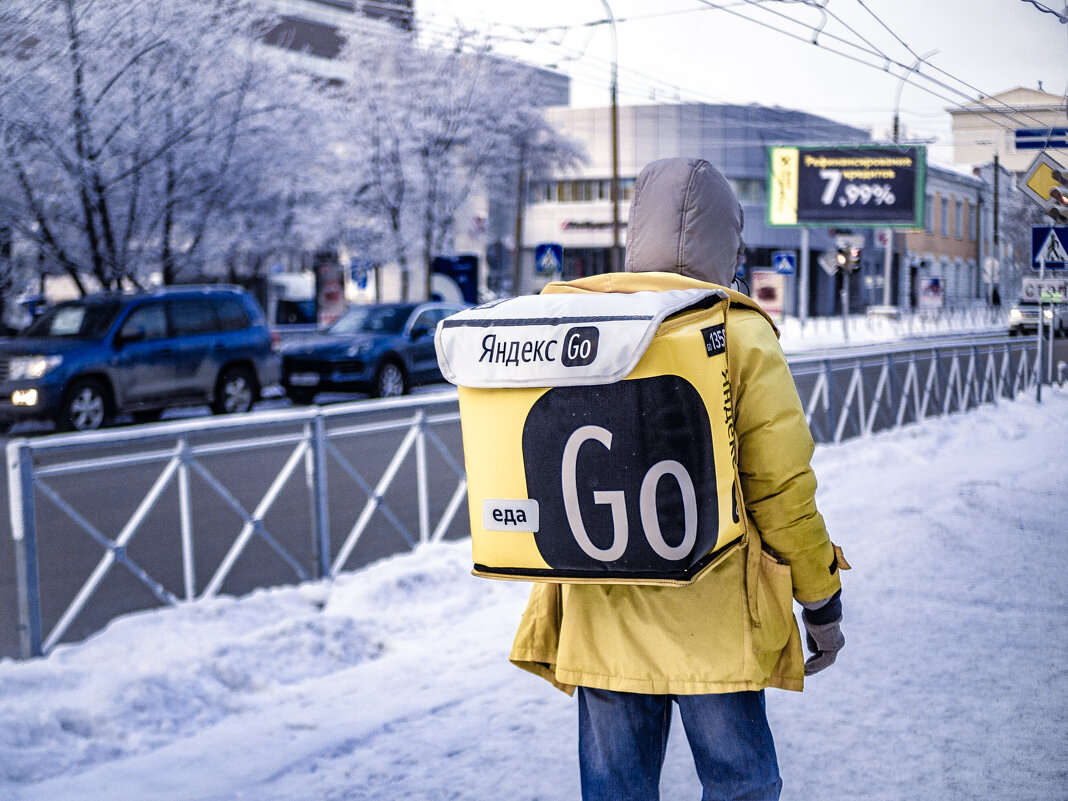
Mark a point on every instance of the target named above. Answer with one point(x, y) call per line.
point(520, 200)
point(889, 257)
point(615, 140)
point(997, 171)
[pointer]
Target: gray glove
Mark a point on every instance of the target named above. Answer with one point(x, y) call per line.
point(823, 631)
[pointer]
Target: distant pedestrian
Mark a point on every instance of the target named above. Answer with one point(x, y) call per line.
point(714, 645)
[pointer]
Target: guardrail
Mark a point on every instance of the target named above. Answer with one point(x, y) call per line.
point(904, 384)
point(336, 448)
point(176, 454)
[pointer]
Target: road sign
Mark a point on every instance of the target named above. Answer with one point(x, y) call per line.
point(784, 261)
point(1041, 138)
point(1037, 180)
point(828, 262)
point(1049, 243)
point(548, 257)
point(1033, 289)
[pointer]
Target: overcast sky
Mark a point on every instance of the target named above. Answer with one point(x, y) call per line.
point(699, 51)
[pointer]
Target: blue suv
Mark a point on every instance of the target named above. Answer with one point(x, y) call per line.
point(84, 361)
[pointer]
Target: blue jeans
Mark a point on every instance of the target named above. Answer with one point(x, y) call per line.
point(623, 738)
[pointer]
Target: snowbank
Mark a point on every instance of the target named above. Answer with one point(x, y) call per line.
point(393, 682)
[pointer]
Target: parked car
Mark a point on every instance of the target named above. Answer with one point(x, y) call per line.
point(1023, 318)
point(84, 361)
point(383, 350)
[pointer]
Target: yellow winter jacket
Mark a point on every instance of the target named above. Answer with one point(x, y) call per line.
point(734, 628)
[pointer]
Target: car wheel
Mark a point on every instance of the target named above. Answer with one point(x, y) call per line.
point(389, 381)
point(87, 407)
point(301, 397)
point(235, 391)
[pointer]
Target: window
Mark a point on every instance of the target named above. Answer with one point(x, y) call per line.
point(928, 214)
point(232, 315)
point(748, 190)
point(429, 318)
point(959, 227)
point(74, 319)
point(145, 322)
point(540, 192)
point(626, 188)
point(191, 316)
point(945, 216)
point(372, 320)
point(973, 218)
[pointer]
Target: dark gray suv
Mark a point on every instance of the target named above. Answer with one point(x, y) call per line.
point(84, 361)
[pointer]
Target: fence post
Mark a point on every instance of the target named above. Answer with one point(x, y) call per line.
point(421, 477)
point(831, 411)
point(320, 512)
point(24, 532)
point(185, 514)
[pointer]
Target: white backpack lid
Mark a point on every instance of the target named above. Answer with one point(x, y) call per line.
point(558, 339)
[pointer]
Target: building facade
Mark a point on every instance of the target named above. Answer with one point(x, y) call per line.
point(1015, 125)
point(574, 210)
point(942, 263)
point(999, 137)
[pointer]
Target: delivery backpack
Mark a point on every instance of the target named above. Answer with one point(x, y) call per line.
point(598, 435)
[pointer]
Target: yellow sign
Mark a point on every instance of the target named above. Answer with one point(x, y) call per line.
point(784, 170)
point(1038, 180)
point(1042, 181)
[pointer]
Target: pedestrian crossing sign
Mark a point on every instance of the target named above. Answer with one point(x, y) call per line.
point(1049, 247)
point(548, 258)
point(784, 261)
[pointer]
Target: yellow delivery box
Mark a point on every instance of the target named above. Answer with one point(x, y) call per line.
point(598, 435)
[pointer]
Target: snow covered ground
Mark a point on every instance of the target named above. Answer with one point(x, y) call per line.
point(393, 682)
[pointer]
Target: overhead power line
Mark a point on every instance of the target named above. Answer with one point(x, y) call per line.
point(1047, 10)
point(861, 50)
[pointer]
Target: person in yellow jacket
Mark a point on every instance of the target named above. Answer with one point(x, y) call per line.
point(712, 646)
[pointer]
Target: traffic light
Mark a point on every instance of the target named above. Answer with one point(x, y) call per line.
point(847, 259)
point(1059, 195)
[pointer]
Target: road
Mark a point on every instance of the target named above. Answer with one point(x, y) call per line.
point(67, 554)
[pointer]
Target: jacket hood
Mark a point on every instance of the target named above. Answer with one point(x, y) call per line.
point(685, 219)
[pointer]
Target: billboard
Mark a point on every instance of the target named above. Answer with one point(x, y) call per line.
point(879, 186)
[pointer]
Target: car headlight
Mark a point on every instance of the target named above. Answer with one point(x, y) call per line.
point(1047, 313)
point(24, 367)
point(1014, 314)
point(358, 350)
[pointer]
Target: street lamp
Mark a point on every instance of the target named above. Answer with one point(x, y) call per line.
point(904, 79)
point(615, 140)
point(888, 262)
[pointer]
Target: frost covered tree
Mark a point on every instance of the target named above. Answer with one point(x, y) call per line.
point(428, 128)
point(139, 137)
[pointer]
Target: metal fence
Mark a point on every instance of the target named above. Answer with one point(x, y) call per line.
point(377, 472)
point(850, 396)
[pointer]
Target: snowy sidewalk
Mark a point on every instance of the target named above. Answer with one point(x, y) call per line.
point(393, 683)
